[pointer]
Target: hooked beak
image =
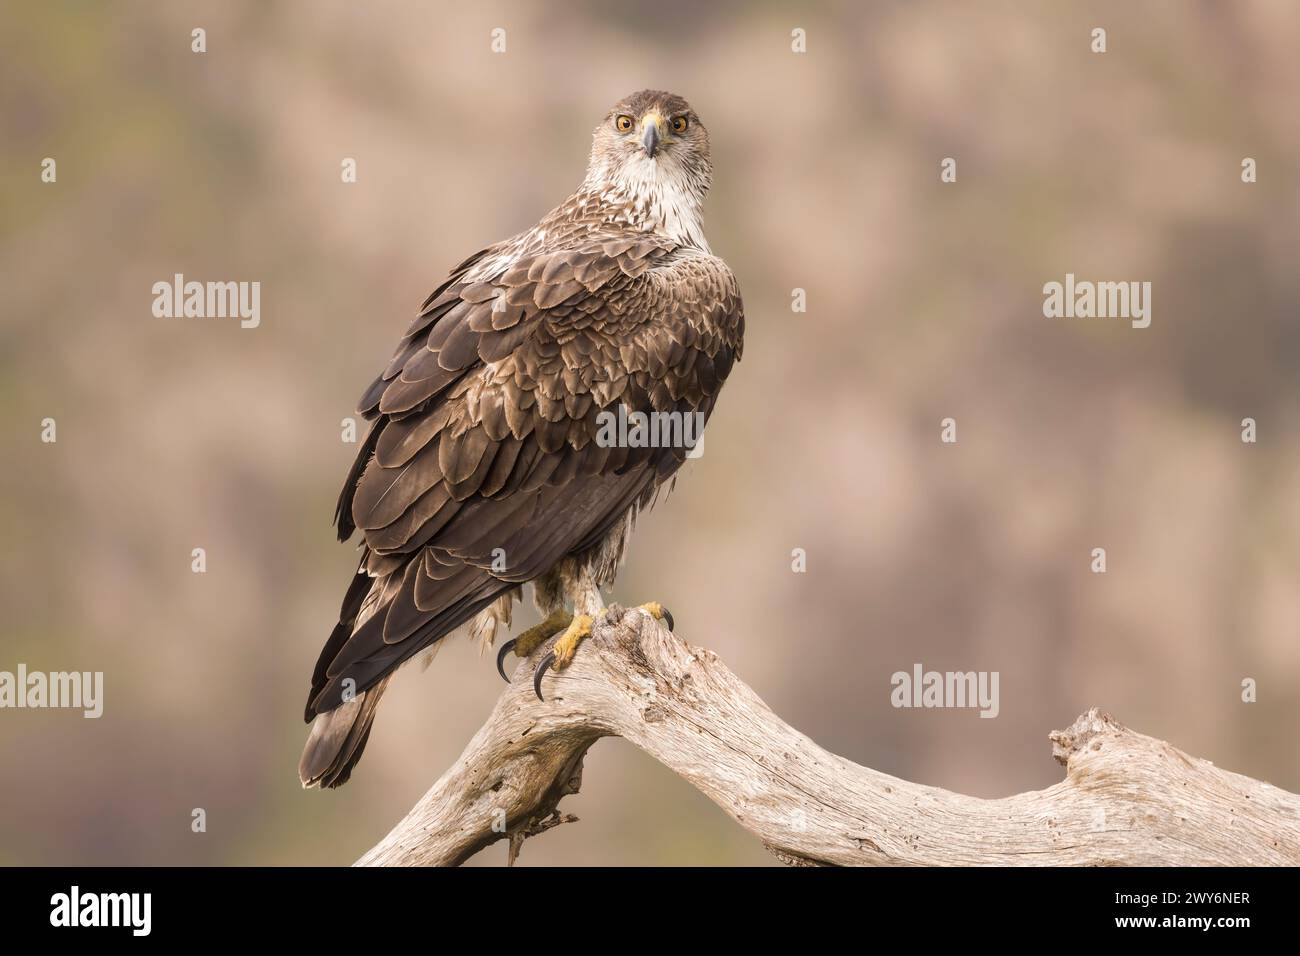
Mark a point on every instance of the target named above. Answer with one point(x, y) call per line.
point(650, 133)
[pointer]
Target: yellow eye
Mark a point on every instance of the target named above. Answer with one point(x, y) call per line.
point(623, 124)
point(680, 124)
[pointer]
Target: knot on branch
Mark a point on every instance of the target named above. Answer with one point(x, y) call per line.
point(1086, 733)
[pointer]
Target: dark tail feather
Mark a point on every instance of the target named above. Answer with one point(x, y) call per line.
point(352, 601)
point(337, 738)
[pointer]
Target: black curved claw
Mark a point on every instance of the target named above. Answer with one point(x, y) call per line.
point(538, 674)
point(668, 617)
point(506, 648)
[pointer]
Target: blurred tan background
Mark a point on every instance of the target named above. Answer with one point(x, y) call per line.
point(924, 301)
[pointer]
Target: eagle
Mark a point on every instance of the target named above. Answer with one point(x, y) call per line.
point(489, 463)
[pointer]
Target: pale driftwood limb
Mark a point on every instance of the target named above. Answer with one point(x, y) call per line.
point(1126, 799)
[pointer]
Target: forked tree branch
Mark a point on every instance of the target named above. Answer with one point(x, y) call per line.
point(1126, 799)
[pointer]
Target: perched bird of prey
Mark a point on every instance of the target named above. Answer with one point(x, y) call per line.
point(488, 463)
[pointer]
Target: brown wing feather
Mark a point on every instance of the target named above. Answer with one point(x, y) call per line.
point(482, 470)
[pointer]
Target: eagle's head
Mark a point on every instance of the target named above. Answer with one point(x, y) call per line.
point(652, 146)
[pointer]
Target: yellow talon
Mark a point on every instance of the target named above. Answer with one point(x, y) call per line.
point(658, 612)
point(529, 641)
point(578, 630)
